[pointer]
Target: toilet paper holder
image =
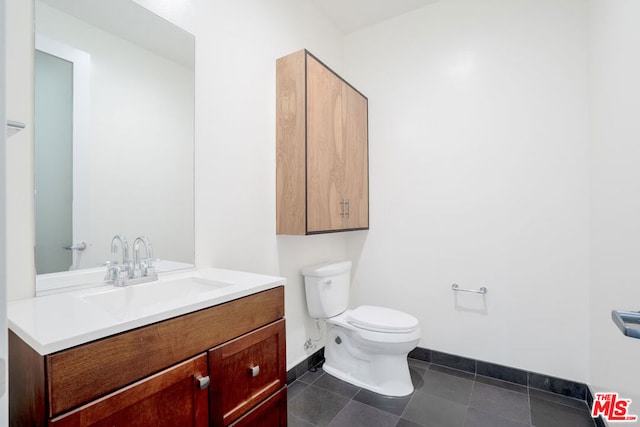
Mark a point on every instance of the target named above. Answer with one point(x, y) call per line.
point(482, 290)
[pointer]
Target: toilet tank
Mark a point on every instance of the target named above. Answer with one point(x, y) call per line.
point(327, 288)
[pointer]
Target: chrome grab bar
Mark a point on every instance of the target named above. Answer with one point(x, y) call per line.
point(482, 290)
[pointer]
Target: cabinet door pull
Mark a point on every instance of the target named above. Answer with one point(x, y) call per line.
point(347, 208)
point(254, 371)
point(203, 382)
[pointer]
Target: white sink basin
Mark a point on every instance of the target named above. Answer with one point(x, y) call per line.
point(141, 299)
point(63, 320)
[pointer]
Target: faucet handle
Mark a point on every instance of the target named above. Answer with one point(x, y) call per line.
point(121, 273)
point(112, 270)
point(117, 273)
point(150, 270)
point(147, 267)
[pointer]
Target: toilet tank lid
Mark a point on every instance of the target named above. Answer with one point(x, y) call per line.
point(327, 269)
point(382, 319)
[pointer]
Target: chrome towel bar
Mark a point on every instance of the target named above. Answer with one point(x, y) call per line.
point(482, 290)
point(627, 321)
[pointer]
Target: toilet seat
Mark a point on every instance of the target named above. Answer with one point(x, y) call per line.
point(381, 319)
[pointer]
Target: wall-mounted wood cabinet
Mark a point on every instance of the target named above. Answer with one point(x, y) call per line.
point(322, 172)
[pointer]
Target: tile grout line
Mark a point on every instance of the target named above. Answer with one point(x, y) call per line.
point(530, 405)
point(466, 414)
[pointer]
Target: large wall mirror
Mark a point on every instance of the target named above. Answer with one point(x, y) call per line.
point(114, 119)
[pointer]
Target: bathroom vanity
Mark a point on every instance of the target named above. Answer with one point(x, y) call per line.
point(215, 355)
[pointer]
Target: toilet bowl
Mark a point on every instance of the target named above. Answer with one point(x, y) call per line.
point(366, 346)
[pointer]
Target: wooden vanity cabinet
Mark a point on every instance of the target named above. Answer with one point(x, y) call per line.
point(191, 370)
point(322, 169)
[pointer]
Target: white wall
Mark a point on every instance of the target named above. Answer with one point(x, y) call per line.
point(20, 225)
point(615, 183)
point(494, 97)
point(479, 130)
point(4, 396)
point(237, 44)
point(479, 176)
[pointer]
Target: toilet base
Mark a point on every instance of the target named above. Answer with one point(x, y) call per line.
point(400, 390)
point(377, 367)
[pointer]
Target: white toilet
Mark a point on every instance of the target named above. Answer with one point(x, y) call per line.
point(366, 346)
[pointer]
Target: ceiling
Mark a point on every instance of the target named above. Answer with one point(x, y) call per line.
point(346, 15)
point(133, 22)
point(352, 15)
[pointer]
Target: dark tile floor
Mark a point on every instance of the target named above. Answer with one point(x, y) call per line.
point(443, 397)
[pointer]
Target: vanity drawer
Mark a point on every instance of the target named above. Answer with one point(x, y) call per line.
point(173, 397)
point(271, 412)
point(246, 371)
point(84, 373)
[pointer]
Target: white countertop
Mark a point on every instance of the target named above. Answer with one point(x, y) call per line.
point(56, 322)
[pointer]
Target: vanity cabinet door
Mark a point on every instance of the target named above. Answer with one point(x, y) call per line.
point(246, 371)
point(178, 396)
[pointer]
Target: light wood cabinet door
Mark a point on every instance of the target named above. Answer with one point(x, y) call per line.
point(326, 149)
point(291, 128)
point(322, 172)
point(173, 397)
point(356, 189)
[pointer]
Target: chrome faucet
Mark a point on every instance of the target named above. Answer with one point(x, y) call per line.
point(143, 267)
point(131, 271)
point(123, 245)
point(119, 273)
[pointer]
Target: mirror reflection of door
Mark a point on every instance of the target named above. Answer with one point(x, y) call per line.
point(53, 157)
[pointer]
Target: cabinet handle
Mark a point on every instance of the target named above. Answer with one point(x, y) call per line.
point(203, 382)
point(346, 205)
point(254, 371)
point(343, 203)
